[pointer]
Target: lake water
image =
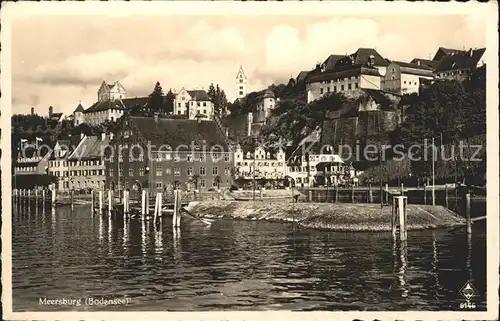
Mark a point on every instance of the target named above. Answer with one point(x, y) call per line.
point(236, 265)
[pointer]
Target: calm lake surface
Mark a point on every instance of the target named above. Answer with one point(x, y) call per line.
point(236, 265)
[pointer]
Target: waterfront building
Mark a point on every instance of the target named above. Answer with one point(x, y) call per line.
point(192, 103)
point(261, 163)
point(30, 160)
point(405, 78)
point(160, 154)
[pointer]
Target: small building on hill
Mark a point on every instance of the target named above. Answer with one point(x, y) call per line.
point(405, 78)
point(460, 65)
point(192, 103)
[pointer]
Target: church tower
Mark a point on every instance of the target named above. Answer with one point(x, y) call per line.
point(241, 84)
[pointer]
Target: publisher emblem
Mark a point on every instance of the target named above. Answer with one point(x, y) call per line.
point(468, 292)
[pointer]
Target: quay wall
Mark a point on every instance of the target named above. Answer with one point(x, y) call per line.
point(329, 216)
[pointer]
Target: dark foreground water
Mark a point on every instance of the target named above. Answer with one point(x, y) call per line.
point(235, 265)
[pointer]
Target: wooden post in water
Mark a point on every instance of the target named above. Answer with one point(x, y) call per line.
point(370, 194)
point(92, 201)
point(100, 202)
point(401, 200)
point(402, 190)
point(147, 202)
point(446, 195)
point(160, 212)
point(53, 196)
point(179, 205)
point(174, 216)
point(425, 194)
point(310, 196)
point(467, 213)
point(29, 200)
point(336, 193)
point(352, 193)
point(386, 193)
point(143, 204)
point(71, 197)
point(43, 201)
point(36, 198)
point(110, 201)
point(393, 218)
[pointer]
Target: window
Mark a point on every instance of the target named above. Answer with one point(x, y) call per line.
point(226, 157)
point(130, 172)
point(198, 104)
point(141, 171)
point(214, 183)
point(404, 82)
point(241, 81)
point(168, 171)
point(241, 93)
point(205, 111)
point(227, 171)
point(349, 86)
point(203, 183)
point(120, 173)
point(356, 85)
point(342, 87)
point(202, 171)
point(189, 158)
point(204, 104)
point(190, 171)
point(177, 171)
point(328, 89)
point(158, 184)
point(321, 90)
point(159, 170)
point(178, 112)
point(334, 89)
point(392, 77)
point(202, 157)
point(215, 171)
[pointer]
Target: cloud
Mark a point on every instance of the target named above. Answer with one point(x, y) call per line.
point(85, 69)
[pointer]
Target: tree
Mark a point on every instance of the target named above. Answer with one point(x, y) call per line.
point(217, 181)
point(218, 97)
point(169, 102)
point(155, 102)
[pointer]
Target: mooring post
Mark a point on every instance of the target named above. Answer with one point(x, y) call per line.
point(147, 202)
point(43, 200)
point(386, 193)
point(100, 202)
point(467, 213)
point(446, 195)
point(36, 198)
point(309, 196)
point(160, 212)
point(352, 193)
point(110, 201)
point(157, 205)
point(92, 201)
point(179, 205)
point(336, 193)
point(143, 204)
point(370, 194)
point(402, 217)
point(127, 202)
point(71, 198)
point(393, 218)
point(425, 194)
point(174, 216)
point(402, 190)
point(53, 196)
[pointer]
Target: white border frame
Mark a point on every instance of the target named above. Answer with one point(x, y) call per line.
point(488, 12)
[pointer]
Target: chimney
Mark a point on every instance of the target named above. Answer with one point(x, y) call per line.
point(418, 62)
point(103, 136)
point(32, 111)
point(155, 116)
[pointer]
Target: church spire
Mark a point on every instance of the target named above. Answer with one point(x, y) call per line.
point(241, 84)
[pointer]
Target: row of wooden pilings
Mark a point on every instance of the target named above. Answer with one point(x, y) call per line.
point(41, 197)
point(145, 206)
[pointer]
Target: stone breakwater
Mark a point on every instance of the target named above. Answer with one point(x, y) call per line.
point(330, 216)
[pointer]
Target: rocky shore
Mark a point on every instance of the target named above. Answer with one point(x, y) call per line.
point(330, 216)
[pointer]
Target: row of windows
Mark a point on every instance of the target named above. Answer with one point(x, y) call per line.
point(179, 112)
point(454, 72)
point(272, 164)
point(76, 163)
point(342, 88)
point(201, 184)
point(26, 169)
point(168, 156)
point(192, 104)
point(176, 171)
point(339, 80)
point(409, 82)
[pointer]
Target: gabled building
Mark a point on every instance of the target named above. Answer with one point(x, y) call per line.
point(103, 111)
point(30, 159)
point(443, 52)
point(78, 116)
point(261, 163)
point(111, 91)
point(241, 84)
point(160, 154)
point(55, 117)
point(192, 103)
point(424, 62)
point(459, 65)
point(405, 78)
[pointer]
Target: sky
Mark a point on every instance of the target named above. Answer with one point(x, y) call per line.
point(62, 60)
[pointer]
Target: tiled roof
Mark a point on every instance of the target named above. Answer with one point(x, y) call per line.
point(461, 60)
point(424, 62)
point(198, 95)
point(302, 75)
point(175, 132)
point(331, 61)
point(362, 55)
point(268, 94)
point(90, 148)
point(442, 52)
point(79, 109)
point(345, 71)
point(414, 69)
point(129, 103)
point(105, 105)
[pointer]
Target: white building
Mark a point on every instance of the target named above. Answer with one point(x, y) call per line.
point(102, 111)
point(111, 91)
point(262, 163)
point(265, 103)
point(241, 84)
point(192, 103)
point(405, 78)
point(78, 116)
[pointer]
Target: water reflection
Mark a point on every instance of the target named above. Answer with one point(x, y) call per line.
point(255, 265)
